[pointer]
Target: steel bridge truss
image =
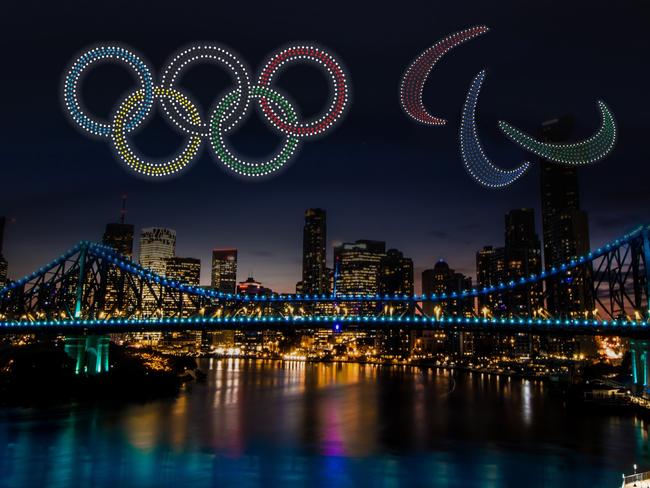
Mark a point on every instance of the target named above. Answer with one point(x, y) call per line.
point(93, 284)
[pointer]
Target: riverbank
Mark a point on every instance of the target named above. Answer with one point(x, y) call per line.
point(42, 374)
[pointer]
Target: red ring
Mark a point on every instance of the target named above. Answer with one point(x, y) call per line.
point(340, 90)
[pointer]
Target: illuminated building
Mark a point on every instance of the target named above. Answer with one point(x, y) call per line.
point(3, 271)
point(396, 277)
point(252, 341)
point(119, 236)
point(315, 277)
point(224, 270)
point(396, 273)
point(444, 280)
point(185, 270)
point(490, 271)
point(252, 287)
point(156, 245)
point(3, 261)
point(357, 270)
point(565, 227)
point(358, 266)
point(523, 256)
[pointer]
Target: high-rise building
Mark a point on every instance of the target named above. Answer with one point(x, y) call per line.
point(315, 278)
point(2, 232)
point(490, 271)
point(565, 227)
point(396, 273)
point(396, 277)
point(358, 267)
point(184, 270)
point(156, 245)
point(119, 236)
point(224, 270)
point(3, 261)
point(523, 257)
point(443, 279)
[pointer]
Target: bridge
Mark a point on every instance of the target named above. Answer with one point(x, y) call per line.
point(93, 289)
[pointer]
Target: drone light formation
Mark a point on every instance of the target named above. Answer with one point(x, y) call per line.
point(586, 151)
point(478, 165)
point(417, 73)
point(179, 109)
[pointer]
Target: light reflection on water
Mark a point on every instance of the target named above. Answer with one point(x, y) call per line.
point(269, 423)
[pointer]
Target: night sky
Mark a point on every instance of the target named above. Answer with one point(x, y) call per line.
point(378, 174)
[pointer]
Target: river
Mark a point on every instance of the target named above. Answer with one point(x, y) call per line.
point(272, 423)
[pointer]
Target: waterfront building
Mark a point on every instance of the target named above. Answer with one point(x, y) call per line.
point(3, 261)
point(156, 245)
point(358, 267)
point(523, 255)
point(565, 227)
point(315, 277)
point(396, 278)
point(439, 280)
point(490, 271)
point(119, 236)
point(224, 270)
point(252, 287)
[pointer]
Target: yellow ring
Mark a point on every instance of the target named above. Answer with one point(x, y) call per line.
point(154, 168)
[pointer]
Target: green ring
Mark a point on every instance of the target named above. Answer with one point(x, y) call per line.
point(225, 155)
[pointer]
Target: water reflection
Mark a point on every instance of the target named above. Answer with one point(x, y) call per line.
point(270, 423)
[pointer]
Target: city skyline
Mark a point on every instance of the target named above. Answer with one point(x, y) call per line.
point(378, 175)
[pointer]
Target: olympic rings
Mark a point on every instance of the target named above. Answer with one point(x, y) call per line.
point(185, 116)
point(99, 54)
point(236, 164)
point(215, 53)
point(147, 168)
point(339, 100)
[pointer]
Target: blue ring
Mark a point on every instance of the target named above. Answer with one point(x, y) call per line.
point(84, 61)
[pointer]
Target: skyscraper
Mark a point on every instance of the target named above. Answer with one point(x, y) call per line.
point(523, 257)
point(490, 271)
point(358, 266)
point(438, 280)
point(443, 279)
point(565, 227)
point(395, 277)
point(315, 278)
point(396, 273)
point(156, 245)
point(119, 235)
point(2, 232)
point(3, 261)
point(224, 270)
point(185, 270)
